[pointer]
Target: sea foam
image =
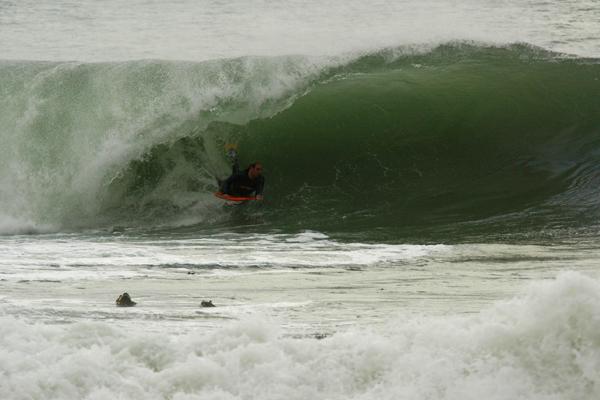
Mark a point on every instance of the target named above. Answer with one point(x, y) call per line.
point(542, 344)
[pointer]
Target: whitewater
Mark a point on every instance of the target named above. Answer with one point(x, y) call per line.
point(430, 223)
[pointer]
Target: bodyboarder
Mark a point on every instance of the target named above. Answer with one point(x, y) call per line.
point(243, 183)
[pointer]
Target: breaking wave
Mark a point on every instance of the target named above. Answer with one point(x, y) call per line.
point(463, 137)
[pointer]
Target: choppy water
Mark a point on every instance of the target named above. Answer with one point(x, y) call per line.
point(430, 223)
point(296, 316)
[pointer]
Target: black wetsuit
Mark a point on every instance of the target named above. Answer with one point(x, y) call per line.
point(240, 184)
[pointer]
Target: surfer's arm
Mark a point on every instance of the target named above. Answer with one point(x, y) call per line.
point(235, 167)
point(226, 186)
point(260, 185)
point(235, 172)
point(230, 183)
point(232, 155)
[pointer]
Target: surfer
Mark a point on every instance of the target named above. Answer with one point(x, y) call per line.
point(243, 183)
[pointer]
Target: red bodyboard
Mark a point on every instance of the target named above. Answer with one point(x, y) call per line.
point(233, 198)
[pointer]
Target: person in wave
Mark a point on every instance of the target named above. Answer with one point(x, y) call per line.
point(243, 183)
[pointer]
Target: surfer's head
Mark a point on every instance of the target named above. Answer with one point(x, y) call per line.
point(255, 170)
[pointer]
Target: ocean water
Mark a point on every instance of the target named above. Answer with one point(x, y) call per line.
point(430, 223)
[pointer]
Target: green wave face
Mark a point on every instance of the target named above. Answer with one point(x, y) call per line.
point(455, 141)
point(462, 140)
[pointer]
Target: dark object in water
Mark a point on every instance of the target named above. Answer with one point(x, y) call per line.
point(206, 303)
point(124, 300)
